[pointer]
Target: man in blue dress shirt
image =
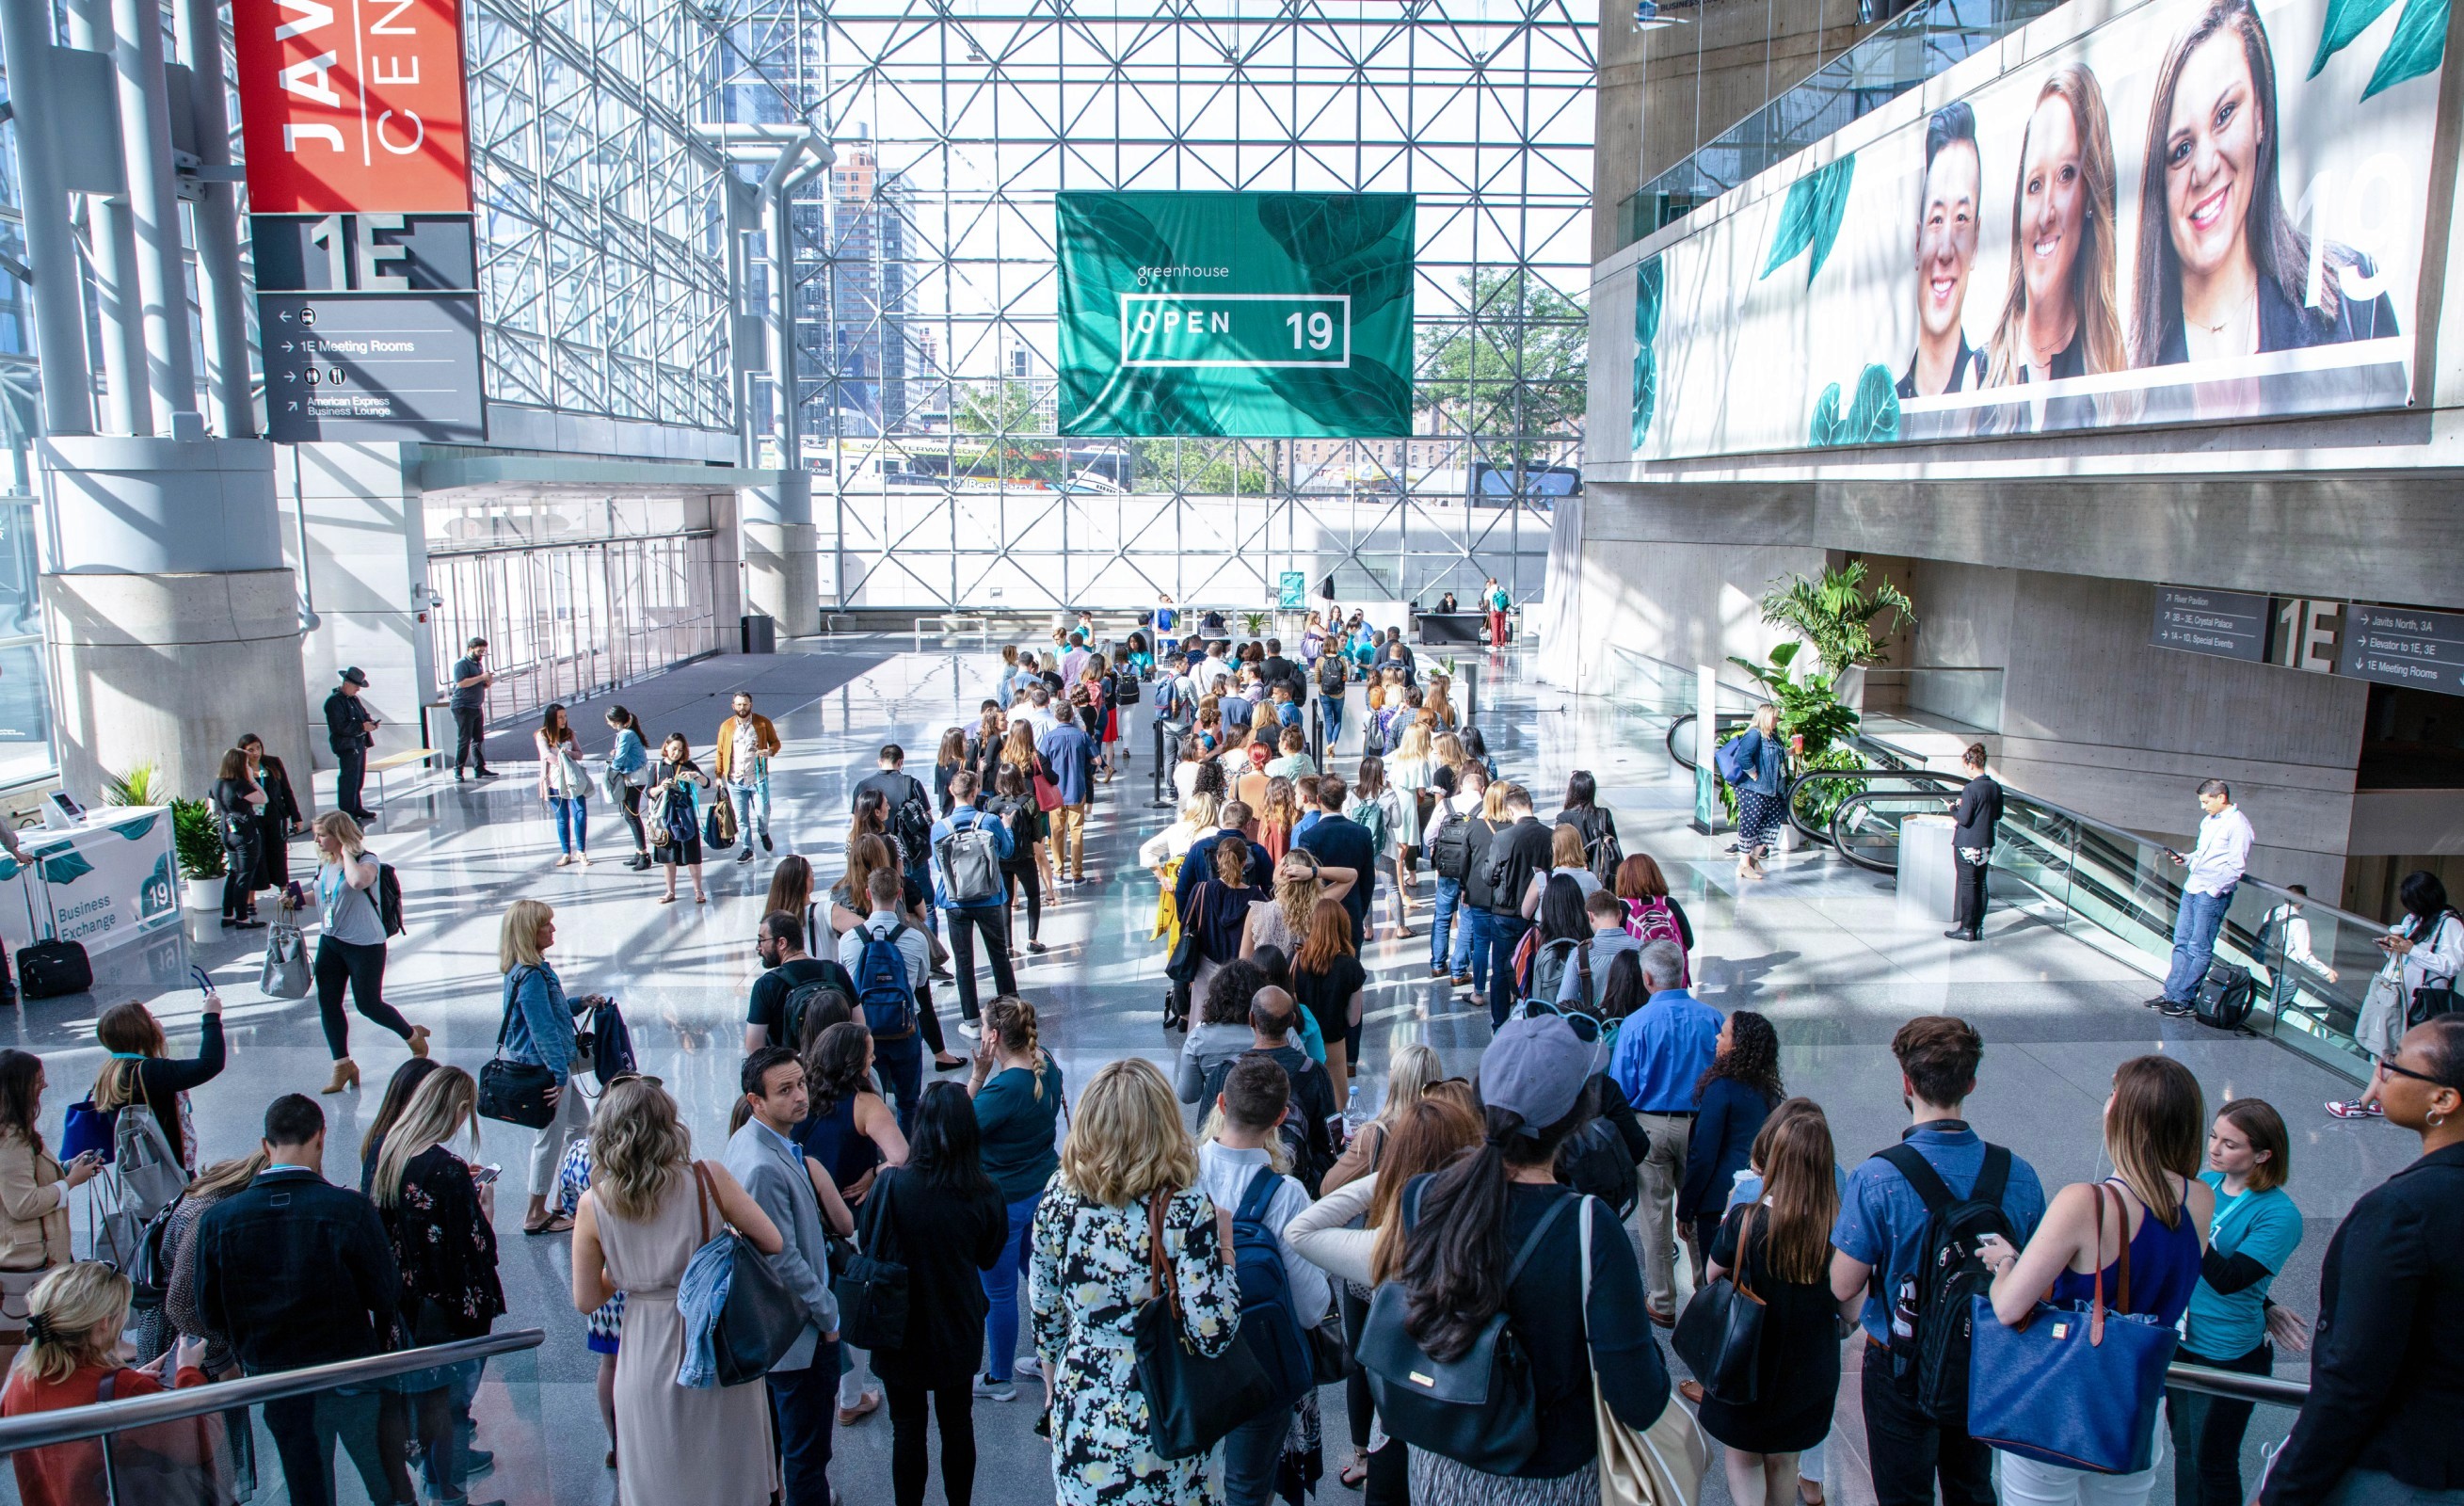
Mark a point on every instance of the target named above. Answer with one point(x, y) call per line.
point(1661, 1050)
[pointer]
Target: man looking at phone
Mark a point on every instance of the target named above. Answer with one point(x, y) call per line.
point(804, 1385)
point(2215, 865)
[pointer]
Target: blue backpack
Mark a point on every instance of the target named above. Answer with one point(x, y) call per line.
point(1268, 1326)
point(1731, 759)
point(882, 990)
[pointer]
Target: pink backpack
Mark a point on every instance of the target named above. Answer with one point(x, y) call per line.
point(1649, 921)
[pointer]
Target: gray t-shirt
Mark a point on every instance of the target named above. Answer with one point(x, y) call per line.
point(349, 913)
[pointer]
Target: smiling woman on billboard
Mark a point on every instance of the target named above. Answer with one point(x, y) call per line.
point(1950, 202)
point(2062, 318)
point(2221, 269)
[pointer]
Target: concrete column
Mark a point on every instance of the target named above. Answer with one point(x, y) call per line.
point(172, 621)
point(368, 562)
point(781, 553)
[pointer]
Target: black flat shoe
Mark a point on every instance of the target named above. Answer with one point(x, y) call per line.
point(1957, 935)
point(948, 1063)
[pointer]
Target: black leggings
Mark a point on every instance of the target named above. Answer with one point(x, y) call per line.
point(908, 1466)
point(363, 968)
point(239, 878)
point(630, 807)
point(1356, 1402)
point(1010, 879)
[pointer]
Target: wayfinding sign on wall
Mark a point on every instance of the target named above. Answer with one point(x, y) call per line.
point(1247, 315)
point(2400, 646)
point(359, 181)
point(2227, 624)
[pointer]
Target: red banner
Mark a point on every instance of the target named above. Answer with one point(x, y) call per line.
point(352, 104)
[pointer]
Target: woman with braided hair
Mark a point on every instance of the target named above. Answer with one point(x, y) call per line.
point(1017, 1087)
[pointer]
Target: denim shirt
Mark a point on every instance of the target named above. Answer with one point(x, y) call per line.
point(629, 755)
point(1882, 1219)
point(538, 1026)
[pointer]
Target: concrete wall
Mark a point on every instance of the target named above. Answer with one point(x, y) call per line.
point(1680, 582)
point(367, 557)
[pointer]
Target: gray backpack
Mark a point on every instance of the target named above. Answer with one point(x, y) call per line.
point(968, 862)
point(145, 1177)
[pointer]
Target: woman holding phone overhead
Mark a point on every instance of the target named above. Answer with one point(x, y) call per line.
point(2062, 318)
point(2221, 271)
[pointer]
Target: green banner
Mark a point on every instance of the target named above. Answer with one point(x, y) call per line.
point(1238, 314)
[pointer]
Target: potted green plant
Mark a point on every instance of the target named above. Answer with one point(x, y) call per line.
point(1254, 623)
point(135, 787)
point(197, 838)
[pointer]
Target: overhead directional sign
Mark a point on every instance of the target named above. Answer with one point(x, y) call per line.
point(2228, 624)
point(2401, 646)
point(1256, 315)
point(359, 177)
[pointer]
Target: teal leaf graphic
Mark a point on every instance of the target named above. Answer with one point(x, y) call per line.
point(1826, 416)
point(65, 867)
point(1650, 279)
point(10, 867)
point(1810, 218)
point(138, 829)
point(1874, 417)
point(2417, 47)
point(2346, 19)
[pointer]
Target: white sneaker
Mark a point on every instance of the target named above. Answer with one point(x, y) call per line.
point(1028, 1371)
point(969, 1030)
point(996, 1390)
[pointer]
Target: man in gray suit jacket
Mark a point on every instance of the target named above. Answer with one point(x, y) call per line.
point(804, 1385)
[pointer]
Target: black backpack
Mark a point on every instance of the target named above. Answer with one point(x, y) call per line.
point(793, 1008)
point(390, 899)
point(1594, 1159)
point(1942, 1289)
point(1450, 847)
point(1329, 672)
point(910, 821)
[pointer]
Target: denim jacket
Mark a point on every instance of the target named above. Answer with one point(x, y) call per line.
point(1763, 760)
point(628, 756)
point(539, 1026)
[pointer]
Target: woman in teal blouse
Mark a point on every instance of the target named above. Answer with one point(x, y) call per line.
point(2231, 1319)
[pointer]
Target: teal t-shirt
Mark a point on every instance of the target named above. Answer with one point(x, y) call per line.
point(2264, 1226)
point(1017, 1126)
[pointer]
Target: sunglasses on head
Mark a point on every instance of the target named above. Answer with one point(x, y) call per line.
point(1589, 1029)
point(635, 1076)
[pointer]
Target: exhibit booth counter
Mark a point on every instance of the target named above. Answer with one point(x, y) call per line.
point(106, 883)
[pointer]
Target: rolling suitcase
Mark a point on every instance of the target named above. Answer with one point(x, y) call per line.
point(51, 968)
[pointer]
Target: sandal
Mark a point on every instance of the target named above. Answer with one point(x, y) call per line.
point(555, 1224)
point(1356, 1473)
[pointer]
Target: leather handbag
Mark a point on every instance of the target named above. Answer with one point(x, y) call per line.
point(1661, 1465)
point(760, 1319)
point(2075, 1387)
point(1182, 964)
point(1193, 1400)
point(286, 973)
point(515, 1091)
point(1720, 1334)
point(872, 1287)
point(1479, 1408)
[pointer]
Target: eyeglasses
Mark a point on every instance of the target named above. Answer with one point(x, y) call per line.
point(1589, 1029)
point(635, 1076)
point(2417, 1077)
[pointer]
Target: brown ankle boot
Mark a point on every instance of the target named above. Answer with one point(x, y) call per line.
point(346, 1075)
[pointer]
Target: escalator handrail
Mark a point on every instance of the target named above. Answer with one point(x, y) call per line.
point(1676, 745)
point(1844, 849)
point(1825, 836)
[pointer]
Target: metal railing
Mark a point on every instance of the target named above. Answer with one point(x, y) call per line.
point(72, 1424)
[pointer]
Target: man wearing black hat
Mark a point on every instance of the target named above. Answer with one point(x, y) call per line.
point(351, 727)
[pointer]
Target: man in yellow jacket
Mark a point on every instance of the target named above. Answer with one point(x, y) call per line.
point(747, 742)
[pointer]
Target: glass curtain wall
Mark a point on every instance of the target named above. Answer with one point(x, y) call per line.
point(925, 303)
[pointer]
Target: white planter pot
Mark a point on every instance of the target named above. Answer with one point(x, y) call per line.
point(203, 894)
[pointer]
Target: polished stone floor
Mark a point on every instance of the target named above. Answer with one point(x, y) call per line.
point(1823, 949)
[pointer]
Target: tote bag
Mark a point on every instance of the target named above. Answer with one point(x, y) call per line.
point(285, 974)
point(1720, 1334)
point(758, 1318)
point(2075, 1387)
point(1661, 1465)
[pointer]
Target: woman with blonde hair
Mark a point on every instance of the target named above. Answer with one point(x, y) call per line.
point(179, 1257)
point(2061, 316)
point(2155, 1133)
point(141, 1070)
point(1125, 1195)
point(351, 945)
point(539, 1031)
point(1020, 753)
point(1437, 705)
point(77, 1315)
point(1283, 919)
point(440, 1218)
point(649, 1207)
point(1277, 812)
point(1413, 1070)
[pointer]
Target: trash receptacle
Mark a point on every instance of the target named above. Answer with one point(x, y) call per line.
point(760, 634)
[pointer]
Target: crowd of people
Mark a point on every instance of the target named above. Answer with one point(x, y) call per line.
point(1514, 1277)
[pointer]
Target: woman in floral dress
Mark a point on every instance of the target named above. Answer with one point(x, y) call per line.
point(1126, 1147)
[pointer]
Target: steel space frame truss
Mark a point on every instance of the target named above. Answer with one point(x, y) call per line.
point(969, 116)
point(602, 277)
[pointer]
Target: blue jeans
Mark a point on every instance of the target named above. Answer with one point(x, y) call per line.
point(1505, 934)
point(1001, 1288)
point(2195, 925)
point(572, 822)
point(901, 1065)
point(1252, 1452)
point(752, 810)
point(921, 877)
point(805, 1402)
point(1445, 943)
point(1476, 926)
